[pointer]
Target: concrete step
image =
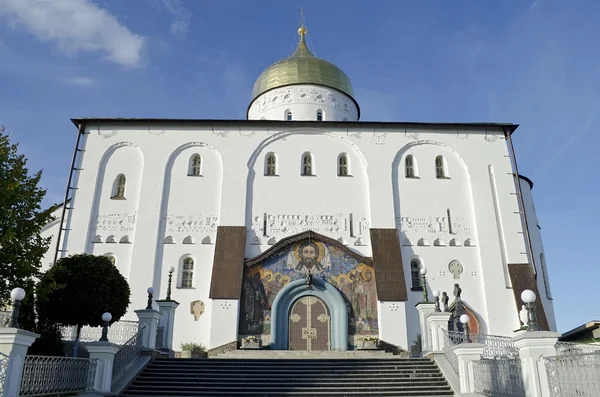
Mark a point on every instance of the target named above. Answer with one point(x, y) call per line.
point(315, 389)
point(306, 355)
point(285, 376)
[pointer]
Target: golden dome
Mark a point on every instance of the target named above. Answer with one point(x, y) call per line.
point(302, 67)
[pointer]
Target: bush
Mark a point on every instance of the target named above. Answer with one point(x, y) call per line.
point(193, 347)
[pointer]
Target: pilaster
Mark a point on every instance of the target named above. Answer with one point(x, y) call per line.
point(105, 353)
point(167, 309)
point(466, 353)
point(437, 322)
point(148, 321)
point(14, 343)
point(532, 347)
point(424, 309)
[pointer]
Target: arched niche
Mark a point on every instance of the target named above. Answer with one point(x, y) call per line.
point(320, 289)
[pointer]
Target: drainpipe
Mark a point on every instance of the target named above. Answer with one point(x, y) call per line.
point(521, 202)
point(64, 209)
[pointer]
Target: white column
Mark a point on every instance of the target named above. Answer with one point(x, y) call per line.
point(148, 321)
point(105, 353)
point(532, 347)
point(14, 343)
point(424, 308)
point(436, 323)
point(466, 353)
point(167, 321)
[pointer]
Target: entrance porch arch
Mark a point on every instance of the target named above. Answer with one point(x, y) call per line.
point(320, 289)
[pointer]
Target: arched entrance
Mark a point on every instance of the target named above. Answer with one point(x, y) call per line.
point(309, 325)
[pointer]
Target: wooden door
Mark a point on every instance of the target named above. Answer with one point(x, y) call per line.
point(309, 325)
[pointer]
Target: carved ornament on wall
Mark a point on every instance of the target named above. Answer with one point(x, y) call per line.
point(191, 223)
point(278, 224)
point(197, 309)
point(115, 222)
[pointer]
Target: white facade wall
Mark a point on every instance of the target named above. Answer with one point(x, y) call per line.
point(541, 269)
point(233, 191)
point(303, 101)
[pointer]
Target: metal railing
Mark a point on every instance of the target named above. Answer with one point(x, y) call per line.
point(451, 339)
point(128, 352)
point(497, 347)
point(570, 348)
point(119, 332)
point(3, 370)
point(43, 375)
point(575, 375)
point(499, 378)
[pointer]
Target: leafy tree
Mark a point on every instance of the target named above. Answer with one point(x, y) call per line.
point(21, 219)
point(78, 289)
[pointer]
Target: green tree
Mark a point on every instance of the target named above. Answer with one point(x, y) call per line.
point(21, 219)
point(78, 289)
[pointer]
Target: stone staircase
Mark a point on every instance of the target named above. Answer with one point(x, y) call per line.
point(284, 373)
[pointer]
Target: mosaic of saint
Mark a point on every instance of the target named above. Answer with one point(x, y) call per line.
point(354, 279)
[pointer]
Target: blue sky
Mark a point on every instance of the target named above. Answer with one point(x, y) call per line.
point(535, 63)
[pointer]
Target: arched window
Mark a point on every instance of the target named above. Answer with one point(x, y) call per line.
point(410, 166)
point(343, 166)
point(271, 165)
point(195, 168)
point(187, 273)
point(440, 167)
point(288, 115)
point(119, 187)
point(307, 164)
point(415, 273)
point(319, 115)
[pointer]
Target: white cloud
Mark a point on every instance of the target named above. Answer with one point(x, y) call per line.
point(181, 25)
point(75, 26)
point(81, 81)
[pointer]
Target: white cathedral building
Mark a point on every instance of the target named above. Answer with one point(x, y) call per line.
point(245, 210)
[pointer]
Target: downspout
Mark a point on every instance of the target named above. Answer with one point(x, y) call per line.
point(521, 201)
point(65, 203)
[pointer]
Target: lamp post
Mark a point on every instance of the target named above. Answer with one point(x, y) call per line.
point(171, 270)
point(17, 295)
point(150, 295)
point(528, 297)
point(424, 283)
point(436, 299)
point(464, 319)
point(106, 317)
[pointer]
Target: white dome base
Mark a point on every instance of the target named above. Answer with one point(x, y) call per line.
point(303, 102)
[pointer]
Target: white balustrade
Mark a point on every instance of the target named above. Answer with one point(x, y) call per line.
point(119, 332)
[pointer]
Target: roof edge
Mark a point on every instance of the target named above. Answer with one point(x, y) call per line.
point(508, 128)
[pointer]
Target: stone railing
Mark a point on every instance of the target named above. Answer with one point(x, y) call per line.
point(119, 332)
point(3, 371)
point(127, 353)
point(44, 375)
point(569, 348)
point(228, 347)
point(499, 378)
point(573, 375)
